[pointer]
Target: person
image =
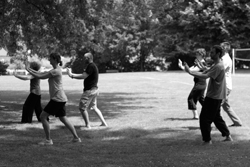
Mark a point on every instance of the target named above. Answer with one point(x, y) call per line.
point(33, 101)
point(200, 84)
point(227, 61)
point(88, 99)
point(216, 92)
point(58, 98)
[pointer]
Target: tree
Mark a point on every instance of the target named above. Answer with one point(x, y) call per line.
point(3, 67)
point(129, 39)
point(45, 26)
point(185, 25)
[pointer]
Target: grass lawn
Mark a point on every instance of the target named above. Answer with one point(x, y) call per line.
point(149, 125)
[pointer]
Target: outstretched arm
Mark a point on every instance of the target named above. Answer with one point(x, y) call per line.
point(39, 75)
point(193, 68)
point(23, 77)
point(84, 75)
point(201, 65)
point(195, 73)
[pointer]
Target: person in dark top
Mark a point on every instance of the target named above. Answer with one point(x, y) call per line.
point(88, 100)
point(33, 101)
point(198, 90)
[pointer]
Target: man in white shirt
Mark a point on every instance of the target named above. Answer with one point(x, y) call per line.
point(227, 61)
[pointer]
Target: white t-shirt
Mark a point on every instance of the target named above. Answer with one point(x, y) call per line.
point(56, 87)
point(227, 61)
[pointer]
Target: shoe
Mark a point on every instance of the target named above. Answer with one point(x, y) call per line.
point(228, 138)
point(78, 140)
point(46, 142)
point(207, 142)
point(234, 125)
point(195, 118)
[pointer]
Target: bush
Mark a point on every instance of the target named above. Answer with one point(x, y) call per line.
point(3, 67)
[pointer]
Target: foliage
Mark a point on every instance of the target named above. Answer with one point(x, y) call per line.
point(122, 34)
point(3, 67)
point(186, 25)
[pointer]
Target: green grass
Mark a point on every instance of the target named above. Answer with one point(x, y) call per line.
point(149, 125)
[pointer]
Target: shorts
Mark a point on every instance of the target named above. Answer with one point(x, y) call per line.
point(55, 108)
point(88, 99)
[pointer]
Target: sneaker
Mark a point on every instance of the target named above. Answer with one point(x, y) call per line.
point(46, 142)
point(228, 138)
point(207, 142)
point(78, 140)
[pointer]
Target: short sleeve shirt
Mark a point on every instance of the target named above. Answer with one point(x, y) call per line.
point(217, 83)
point(35, 86)
point(91, 81)
point(56, 87)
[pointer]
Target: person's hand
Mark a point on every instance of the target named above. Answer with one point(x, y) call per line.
point(180, 64)
point(186, 67)
point(69, 71)
point(200, 65)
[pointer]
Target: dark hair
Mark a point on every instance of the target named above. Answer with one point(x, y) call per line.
point(218, 49)
point(35, 65)
point(56, 57)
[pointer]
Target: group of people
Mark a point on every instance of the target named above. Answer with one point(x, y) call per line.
point(218, 90)
point(217, 94)
point(56, 106)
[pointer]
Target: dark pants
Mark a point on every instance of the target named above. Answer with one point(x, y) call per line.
point(33, 102)
point(210, 113)
point(194, 96)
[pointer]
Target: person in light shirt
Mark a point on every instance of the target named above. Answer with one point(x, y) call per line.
point(227, 61)
point(58, 99)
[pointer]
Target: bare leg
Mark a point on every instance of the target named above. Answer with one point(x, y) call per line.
point(45, 124)
point(196, 116)
point(66, 122)
point(99, 114)
point(85, 116)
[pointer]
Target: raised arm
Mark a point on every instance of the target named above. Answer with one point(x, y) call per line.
point(193, 68)
point(201, 65)
point(196, 73)
point(39, 75)
point(23, 77)
point(84, 75)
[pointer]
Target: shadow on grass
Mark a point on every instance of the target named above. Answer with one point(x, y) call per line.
point(109, 147)
point(125, 147)
point(179, 119)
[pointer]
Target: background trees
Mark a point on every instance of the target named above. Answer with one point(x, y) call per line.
point(131, 35)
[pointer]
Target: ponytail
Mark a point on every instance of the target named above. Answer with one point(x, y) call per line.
point(56, 57)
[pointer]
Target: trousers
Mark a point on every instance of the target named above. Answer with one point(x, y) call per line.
point(229, 110)
point(210, 113)
point(31, 104)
